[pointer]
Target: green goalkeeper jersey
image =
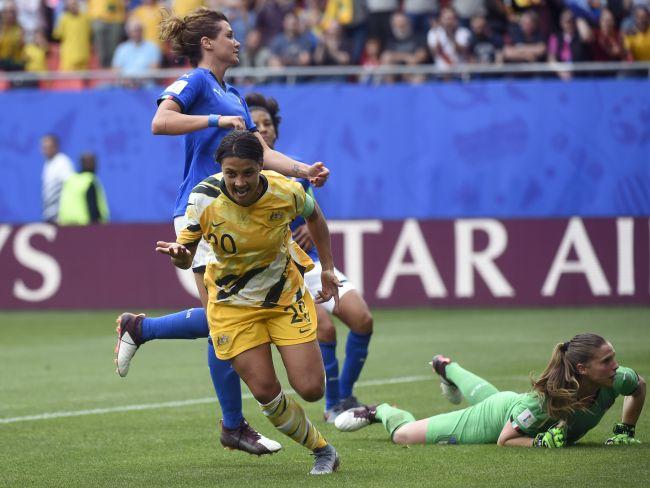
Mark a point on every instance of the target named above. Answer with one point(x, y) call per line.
point(529, 416)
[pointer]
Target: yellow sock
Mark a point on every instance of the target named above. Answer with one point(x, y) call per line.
point(290, 419)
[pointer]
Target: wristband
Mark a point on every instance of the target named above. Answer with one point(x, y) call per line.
point(213, 120)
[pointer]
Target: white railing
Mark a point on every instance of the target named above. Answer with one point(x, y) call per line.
point(293, 75)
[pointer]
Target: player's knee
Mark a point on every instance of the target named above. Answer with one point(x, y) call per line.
point(364, 324)
point(311, 392)
point(264, 391)
point(401, 436)
point(326, 333)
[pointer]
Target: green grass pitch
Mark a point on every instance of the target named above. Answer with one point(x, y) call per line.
point(53, 362)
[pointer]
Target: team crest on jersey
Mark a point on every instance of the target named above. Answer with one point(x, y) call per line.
point(177, 87)
point(275, 216)
point(222, 340)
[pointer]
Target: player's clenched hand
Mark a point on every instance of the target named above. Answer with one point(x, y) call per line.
point(330, 284)
point(318, 174)
point(180, 255)
point(303, 238)
point(232, 122)
point(623, 435)
point(553, 437)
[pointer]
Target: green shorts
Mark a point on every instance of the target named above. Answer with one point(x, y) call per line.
point(479, 424)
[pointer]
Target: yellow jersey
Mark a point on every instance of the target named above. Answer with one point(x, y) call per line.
point(255, 262)
point(639, 45)
point(74, 32)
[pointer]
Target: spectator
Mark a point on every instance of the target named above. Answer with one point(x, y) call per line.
point(148, 14)
point(379, 14)
point(332, 50)
point(638, 41)
point(135, 56)
point(291, 47)
point(74, 32)
point(57, 168)
point(448, 42)
point(36, 53)
point(525, 43)
point(270, 18)
point(497, 14)
point(484, 46)
point(404, 46)
point(11, 40)
point(606, 41)
point(254, 53)
point(352, 16)
point(108, 18)
point(371, 58)
point(421, 13)
point(29, 17)
point(241, 19)
point(83, 201)
point(570, 44)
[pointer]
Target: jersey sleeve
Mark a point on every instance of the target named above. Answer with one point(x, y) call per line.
point(192, 232)
point(248, 119)
point(299, 198)
point(184, 91)
point(626, 381)
point(528, 415)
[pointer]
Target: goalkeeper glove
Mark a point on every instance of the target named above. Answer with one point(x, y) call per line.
point(623, 434)
point(553, 437)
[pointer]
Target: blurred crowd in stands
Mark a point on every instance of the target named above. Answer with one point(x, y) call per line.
point(72, 35)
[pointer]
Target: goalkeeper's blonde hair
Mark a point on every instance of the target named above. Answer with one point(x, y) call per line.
point(558, 385)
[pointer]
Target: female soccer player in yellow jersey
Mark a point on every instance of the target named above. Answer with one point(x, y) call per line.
point(256, 291)
point(203, 107)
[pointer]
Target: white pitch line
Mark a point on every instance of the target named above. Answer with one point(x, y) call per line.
point(185, 403)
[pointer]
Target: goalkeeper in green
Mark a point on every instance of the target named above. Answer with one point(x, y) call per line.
point(579, 384)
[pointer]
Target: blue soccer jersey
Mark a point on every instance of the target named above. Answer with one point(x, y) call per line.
point(199, 93)
point(298, 221)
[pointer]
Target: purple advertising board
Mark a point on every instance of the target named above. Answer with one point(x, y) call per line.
point(463, 262)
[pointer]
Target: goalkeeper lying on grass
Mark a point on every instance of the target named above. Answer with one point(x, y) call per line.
point(580, 383)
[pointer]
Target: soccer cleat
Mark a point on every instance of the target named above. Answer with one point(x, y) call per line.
point(245, 438)
point(356, 418)
point(449, 390)
point(327, 460)
point(129, 339)
point(349, 402)
point(330, 414)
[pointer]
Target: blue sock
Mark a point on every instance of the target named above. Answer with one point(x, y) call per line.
point(228, 387)
point(356, 351)
point(328, 351)
point(188, 324)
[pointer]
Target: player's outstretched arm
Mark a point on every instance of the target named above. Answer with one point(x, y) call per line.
point(181, 256)
point(512, 437)
point(169, 120)
point(274, 160)
point(321, 237)
point(624, 432)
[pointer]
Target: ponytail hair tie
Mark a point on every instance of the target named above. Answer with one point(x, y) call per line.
point(565, 346)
